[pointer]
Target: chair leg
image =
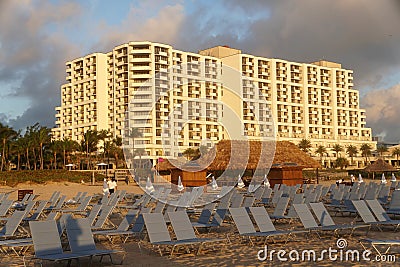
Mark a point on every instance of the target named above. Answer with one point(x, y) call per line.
point(198, 251)
point(172, 250)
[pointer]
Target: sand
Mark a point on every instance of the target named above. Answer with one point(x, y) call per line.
point(44, 191)
point(234, 251)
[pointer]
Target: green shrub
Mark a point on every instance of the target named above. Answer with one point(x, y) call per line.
point(12, 178)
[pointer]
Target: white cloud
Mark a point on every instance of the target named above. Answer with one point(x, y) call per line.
point(383, 109)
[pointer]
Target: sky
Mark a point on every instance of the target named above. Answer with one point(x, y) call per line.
point(37, 37)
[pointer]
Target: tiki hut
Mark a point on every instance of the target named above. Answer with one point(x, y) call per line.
point(252, 155)
point(379, 166)
point(191, 173)
point(283, 160)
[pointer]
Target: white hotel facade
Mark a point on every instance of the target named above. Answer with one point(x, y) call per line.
point(177, 99)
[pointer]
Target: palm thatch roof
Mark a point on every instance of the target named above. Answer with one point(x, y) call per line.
point(166, 165)
point(380, 166)
point(250, 155)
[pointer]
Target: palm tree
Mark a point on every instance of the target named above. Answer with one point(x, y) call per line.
point(134, 133)
point(103, 136)
point(32, 142)
point(365, 151)
point(321, 150)
point(68, 146)
point(140, 152)
point(352, 152)
point(203, 150)
point(6, 135)
point(42, 137)
point(337, 148)
point(381, 149)
point(116, 149)
point(18, 148)
point(89, 143)
point(26, 142)
point(341, 163)
point(56, 147)
point(396, 153)
point(189, 153)
point(305, 145)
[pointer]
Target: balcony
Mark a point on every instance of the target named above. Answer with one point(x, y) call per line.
point(141, 59)
point(140, 51)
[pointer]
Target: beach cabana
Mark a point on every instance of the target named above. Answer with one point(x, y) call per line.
point(286, 167)
point(379, 166)
point(283, 160)
point(191, 173)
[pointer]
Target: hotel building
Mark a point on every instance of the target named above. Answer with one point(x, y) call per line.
point(177, 99)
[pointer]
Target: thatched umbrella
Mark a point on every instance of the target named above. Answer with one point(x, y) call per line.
point(379, 166)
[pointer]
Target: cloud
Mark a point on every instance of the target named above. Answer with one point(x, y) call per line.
point(33, 55)
point(37, 37)
point(146, 21)
point(383, 111)
point(362, 35)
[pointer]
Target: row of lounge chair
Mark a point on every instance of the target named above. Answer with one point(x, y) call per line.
point(287, 202)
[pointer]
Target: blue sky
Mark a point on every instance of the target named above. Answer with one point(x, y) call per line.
point(37, 37)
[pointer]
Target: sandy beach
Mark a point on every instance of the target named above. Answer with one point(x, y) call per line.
point(44, 191)
point(232, 251)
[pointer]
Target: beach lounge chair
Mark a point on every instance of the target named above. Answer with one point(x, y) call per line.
point(280, 209)
point(368, 217)
point(103, 219)
point(47, 243)
point(159, 235)
point(184, 231)
point(248, 202)
point(18, 246)
point(394, 205)
point(298, 199)
point(372, 192)
point(54, 197)
point(94, 212)
point(383, 195)
point(38, 211)
point(266, 226)
point(266, 197)
point(81, 208)
point(246, 228)
point(277, 195)
point(5, 206)
point(327, 222)
point(381, 246)
point(217, 220)
point(12, 225)
point(205, 215)
point(122, 229)
point(159, 208)
point(81, 242)
point(52, 215)
point(237, 200)
point(381, 214)
point(59, 205)
point(259, 192)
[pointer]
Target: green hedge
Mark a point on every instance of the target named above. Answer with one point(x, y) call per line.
point(12, 178)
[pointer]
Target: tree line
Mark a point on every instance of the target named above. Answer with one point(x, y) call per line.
point(365, 151)
point(34, 149)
